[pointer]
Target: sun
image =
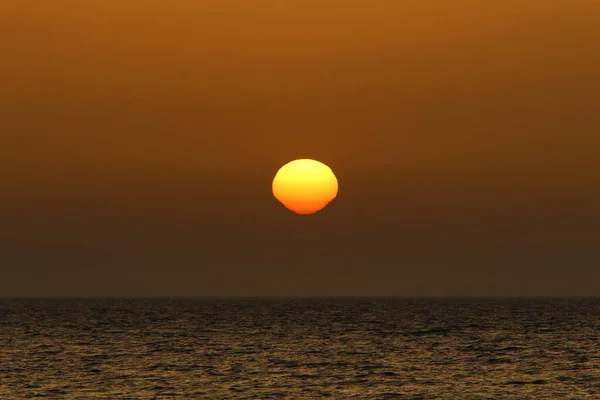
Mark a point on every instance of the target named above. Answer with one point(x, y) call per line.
point(305, 186)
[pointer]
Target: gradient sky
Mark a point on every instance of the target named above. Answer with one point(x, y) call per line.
point(139, 139)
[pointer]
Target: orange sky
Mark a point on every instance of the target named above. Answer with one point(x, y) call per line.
point(138, 140)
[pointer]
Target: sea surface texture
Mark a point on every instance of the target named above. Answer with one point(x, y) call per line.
point(300, 349)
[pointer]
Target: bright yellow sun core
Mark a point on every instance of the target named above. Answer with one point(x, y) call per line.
point(305, 186)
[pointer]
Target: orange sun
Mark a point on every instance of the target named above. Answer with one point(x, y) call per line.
point(305, 186)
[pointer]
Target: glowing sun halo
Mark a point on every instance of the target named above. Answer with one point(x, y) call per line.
point(305, 186)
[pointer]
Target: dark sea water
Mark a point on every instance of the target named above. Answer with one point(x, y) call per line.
point(300, 349)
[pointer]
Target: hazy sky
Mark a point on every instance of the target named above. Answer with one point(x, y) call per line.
point(139, 139)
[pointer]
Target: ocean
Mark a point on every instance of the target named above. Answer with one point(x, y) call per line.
point(350, 348)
